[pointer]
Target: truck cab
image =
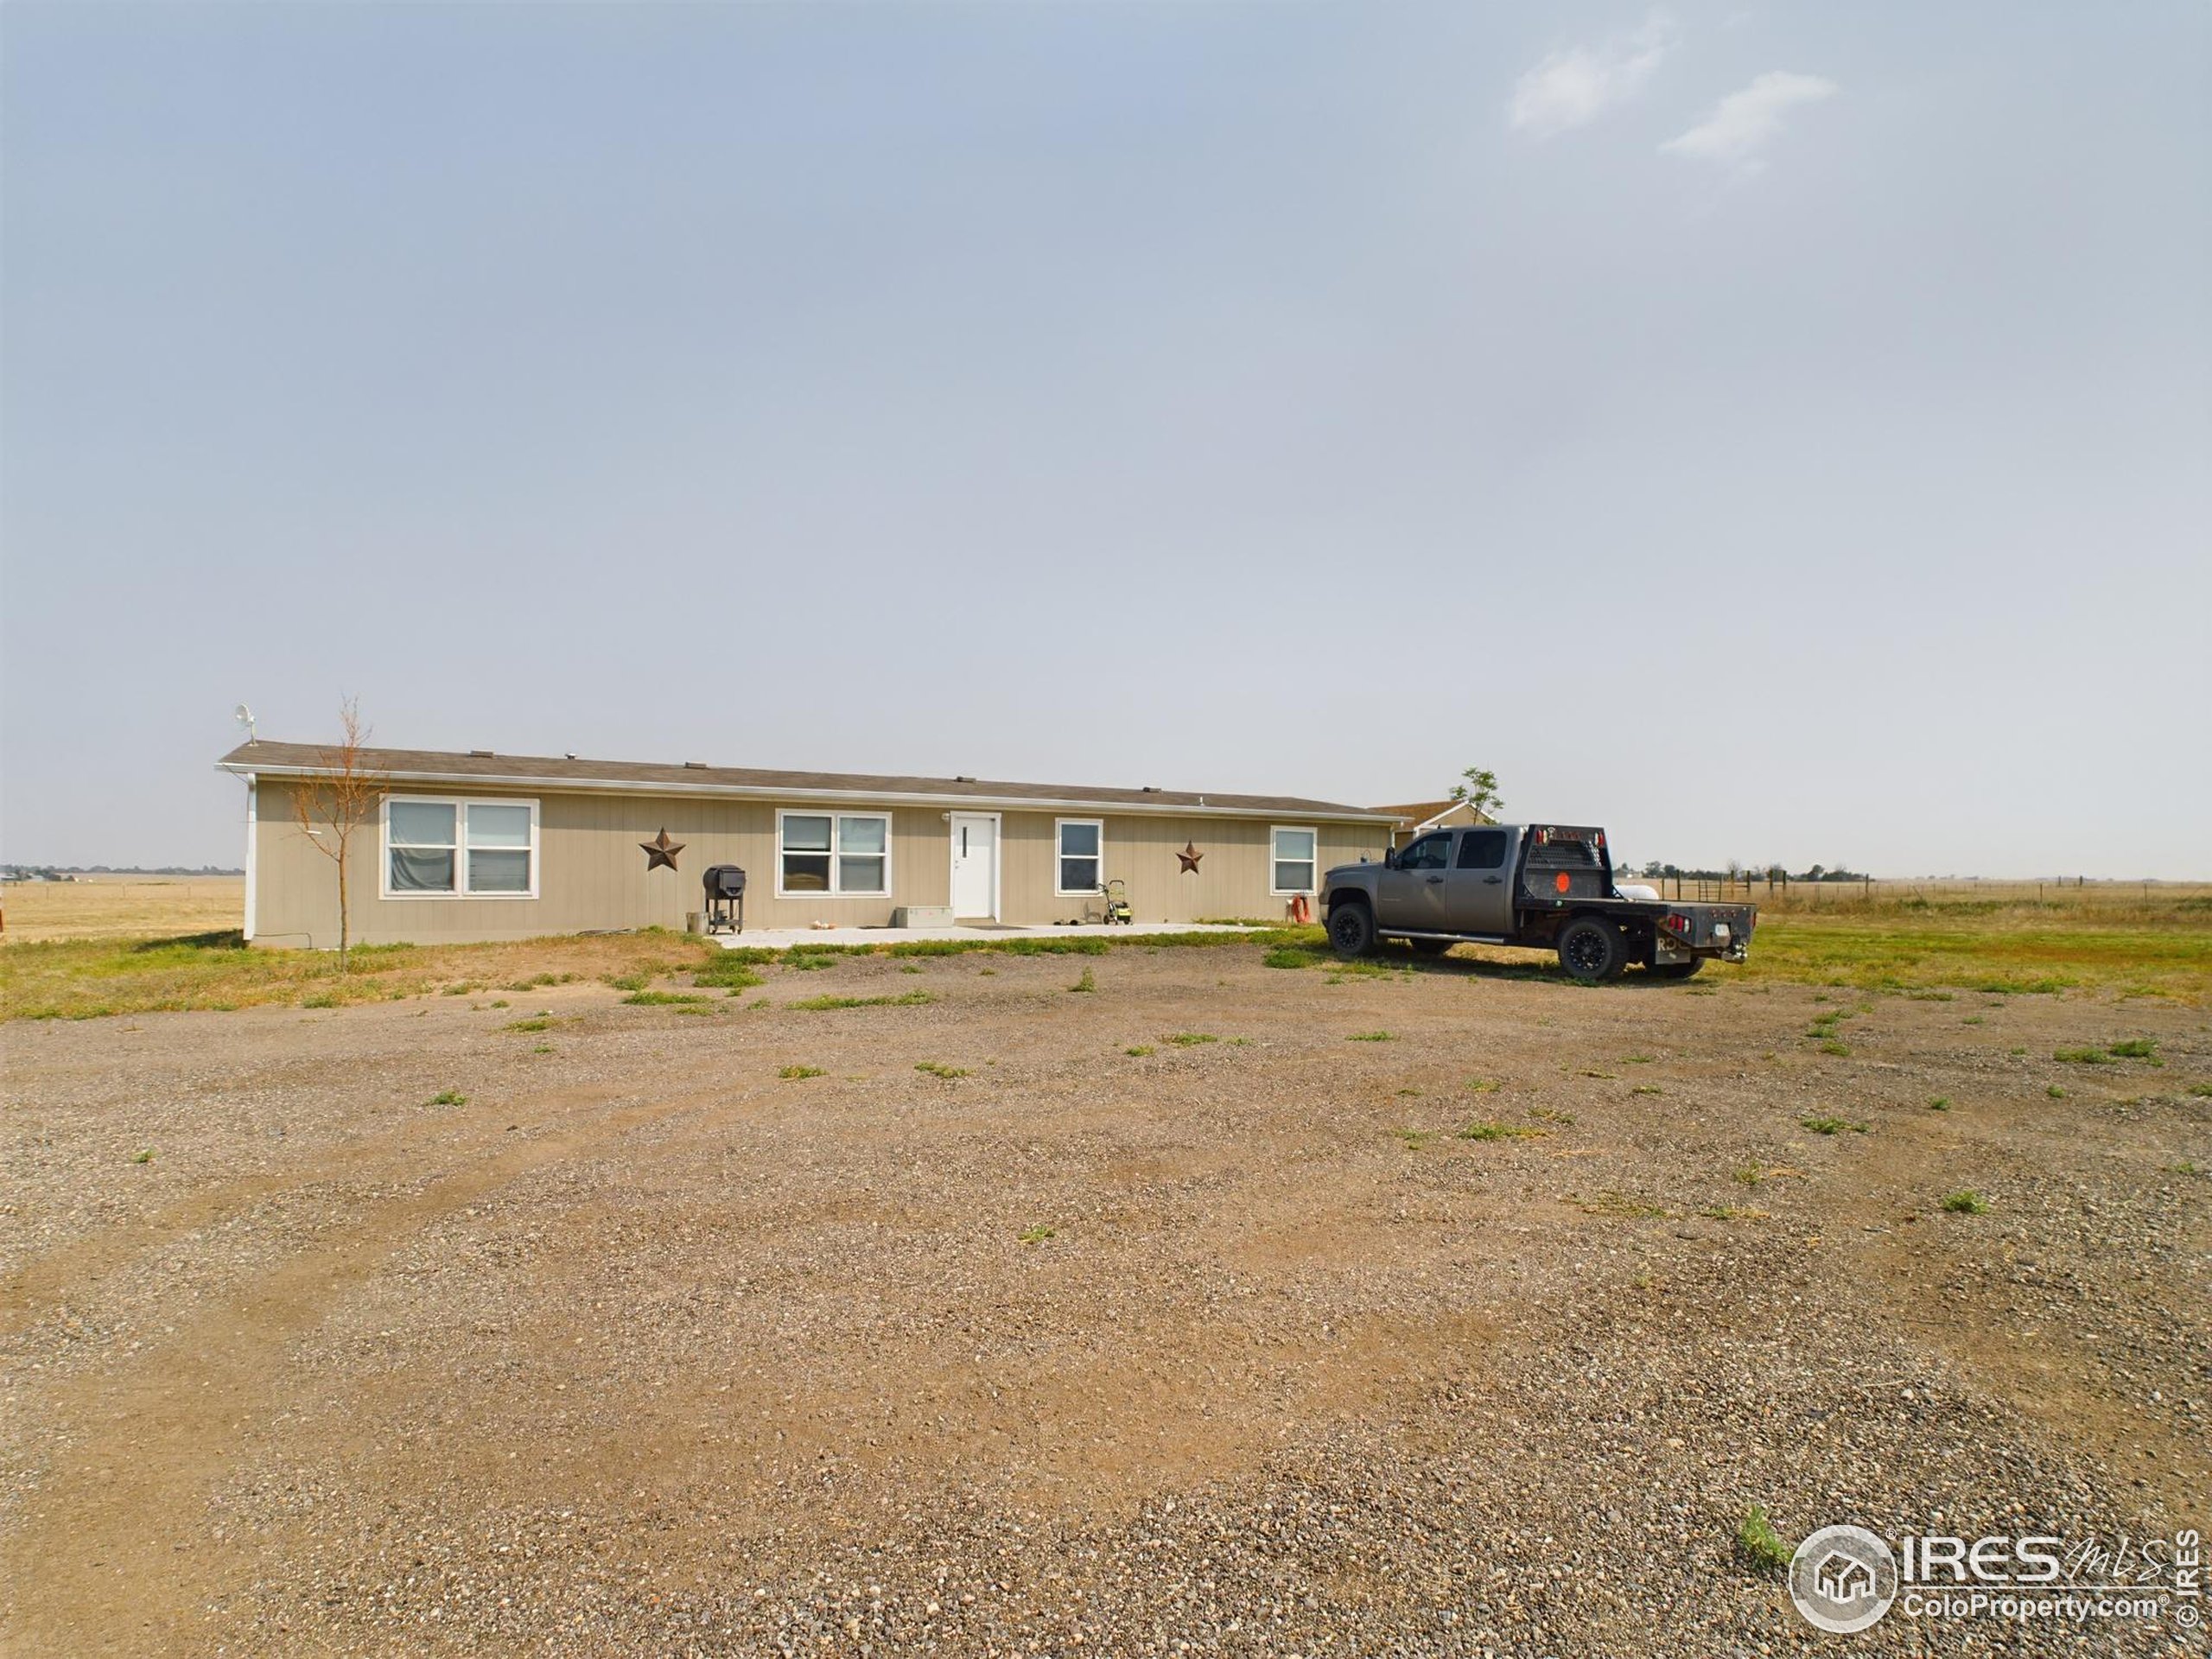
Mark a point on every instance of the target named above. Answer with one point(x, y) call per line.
point(1454, 881)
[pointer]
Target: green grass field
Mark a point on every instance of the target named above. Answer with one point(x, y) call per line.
point(2155, 948)
point(2002, 952)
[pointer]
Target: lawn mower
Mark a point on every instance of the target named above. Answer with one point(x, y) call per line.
point(1116, 895)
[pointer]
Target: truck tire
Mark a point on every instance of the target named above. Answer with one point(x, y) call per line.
point(1676, 970)
point(1592, 949)
point(1430, 947)
point(1352, 929)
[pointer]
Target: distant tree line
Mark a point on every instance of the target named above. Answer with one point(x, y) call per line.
point(68, 871)
point(1737, 870)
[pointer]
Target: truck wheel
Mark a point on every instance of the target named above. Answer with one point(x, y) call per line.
point(1430, 947)
point(1676, 970)
point(1592, 949)
point(1351, 930)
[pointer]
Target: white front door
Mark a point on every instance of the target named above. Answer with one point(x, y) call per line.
point(975, 865)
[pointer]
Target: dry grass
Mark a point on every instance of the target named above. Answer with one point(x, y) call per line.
point(78, 949)
point(88, 978)
point(2103, 901)
point(115, 907)
point(2112, 901)
point(80, 979)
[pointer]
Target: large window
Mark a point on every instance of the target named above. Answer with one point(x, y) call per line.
point(1429, 853)
point(440, 848)
point(1082, 852)
point(1294, 855)
point(1482, 850)
point(833, 852)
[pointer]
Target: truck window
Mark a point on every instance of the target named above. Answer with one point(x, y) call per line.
point(1429, 853)
point(1482, 850)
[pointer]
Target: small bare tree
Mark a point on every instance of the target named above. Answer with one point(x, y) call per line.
point(337, 798)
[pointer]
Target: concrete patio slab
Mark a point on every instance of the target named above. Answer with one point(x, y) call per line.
point(778, 939)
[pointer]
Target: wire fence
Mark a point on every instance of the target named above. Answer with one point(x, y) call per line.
point(1872, 893)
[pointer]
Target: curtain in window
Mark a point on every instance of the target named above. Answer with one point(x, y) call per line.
point(422, 869)
point(423, 843)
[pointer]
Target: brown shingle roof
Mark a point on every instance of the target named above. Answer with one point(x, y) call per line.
point(1415, 811)
point(1418, 812)
point(648, 776)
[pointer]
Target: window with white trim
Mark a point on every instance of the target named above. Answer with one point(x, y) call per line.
point(1081, 853)
point(1293, 854)
point(833, 852)
point(441, 848)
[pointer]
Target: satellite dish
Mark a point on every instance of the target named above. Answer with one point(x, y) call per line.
point(244, 715)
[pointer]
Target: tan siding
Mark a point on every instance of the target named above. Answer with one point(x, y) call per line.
point(592, 876)
point(1231, 882)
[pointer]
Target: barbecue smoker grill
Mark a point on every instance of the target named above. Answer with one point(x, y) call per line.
point(725, 885)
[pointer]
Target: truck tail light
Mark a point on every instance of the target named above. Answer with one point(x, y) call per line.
point(1677, 923)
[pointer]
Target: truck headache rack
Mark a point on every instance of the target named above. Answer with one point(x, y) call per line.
point(1566, 864)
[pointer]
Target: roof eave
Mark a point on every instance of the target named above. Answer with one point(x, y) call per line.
point(772, 792)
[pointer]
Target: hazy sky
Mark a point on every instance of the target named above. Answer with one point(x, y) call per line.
point(1775, 432)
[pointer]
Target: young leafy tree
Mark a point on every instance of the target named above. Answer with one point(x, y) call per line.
point(1480, 789)
point(338, 798)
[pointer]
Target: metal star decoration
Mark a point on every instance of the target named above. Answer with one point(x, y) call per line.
point(660, 850)
point(1189, 856)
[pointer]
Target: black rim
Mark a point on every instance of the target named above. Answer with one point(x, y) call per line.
point(1346, 927)
point(1585, 951)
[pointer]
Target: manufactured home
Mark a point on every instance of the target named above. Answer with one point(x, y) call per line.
point(485, 846)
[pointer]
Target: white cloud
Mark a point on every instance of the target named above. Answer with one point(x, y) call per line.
point(1740, 125)
point(1573, 87)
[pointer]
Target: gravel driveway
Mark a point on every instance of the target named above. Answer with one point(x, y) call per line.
point(1432, 1311)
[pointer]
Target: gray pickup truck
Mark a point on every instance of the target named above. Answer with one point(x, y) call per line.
point(1547, 886)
